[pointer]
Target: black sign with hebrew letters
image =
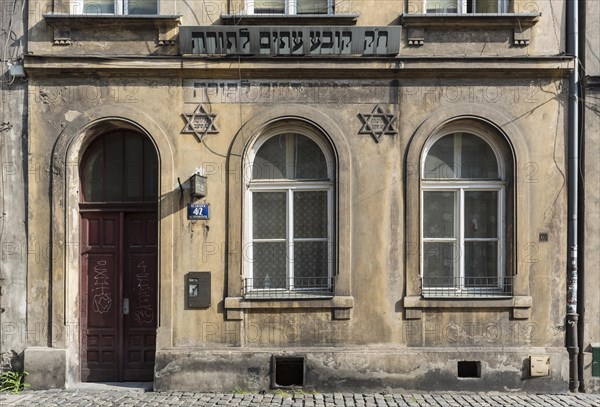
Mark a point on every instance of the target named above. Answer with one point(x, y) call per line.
point(290, 40)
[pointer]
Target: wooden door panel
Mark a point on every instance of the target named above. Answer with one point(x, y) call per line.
point(139, 336)
point(100, 298)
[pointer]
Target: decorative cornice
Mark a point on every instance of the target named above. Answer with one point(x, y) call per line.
point(310, 67)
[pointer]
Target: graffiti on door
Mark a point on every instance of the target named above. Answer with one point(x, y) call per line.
point(102, 300)
point(144, 314)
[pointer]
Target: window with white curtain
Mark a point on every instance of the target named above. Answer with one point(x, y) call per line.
point(289, 7)
point(119, 7)
point(466, 6)
point(463, 217)
point(289, 217)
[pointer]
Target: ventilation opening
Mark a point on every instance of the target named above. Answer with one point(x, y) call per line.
point(469, 369)
point(288, 371)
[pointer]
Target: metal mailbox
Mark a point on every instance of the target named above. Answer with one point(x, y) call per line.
point(198, 289)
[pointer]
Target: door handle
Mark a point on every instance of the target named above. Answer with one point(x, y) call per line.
point(125, 306)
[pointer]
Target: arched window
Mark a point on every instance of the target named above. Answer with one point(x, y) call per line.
point(463, 217)
point(119, 167)
point(289, 216)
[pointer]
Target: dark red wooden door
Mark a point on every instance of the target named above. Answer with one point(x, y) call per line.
point(118, 296)
point(139, 321)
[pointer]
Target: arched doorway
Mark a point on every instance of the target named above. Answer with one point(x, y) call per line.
point(118, 241)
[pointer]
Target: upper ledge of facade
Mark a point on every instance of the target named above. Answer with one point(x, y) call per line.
point(302, 19)
point(111, 20)
point(474, 20)
point(308, 67)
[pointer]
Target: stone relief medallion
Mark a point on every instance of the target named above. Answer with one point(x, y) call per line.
point(377, 123)
point(200, 123)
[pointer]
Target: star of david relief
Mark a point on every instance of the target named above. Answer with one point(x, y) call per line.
point(200, 123)
point(377, 123)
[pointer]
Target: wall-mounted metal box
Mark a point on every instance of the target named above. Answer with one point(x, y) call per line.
point(595, 359)
point(197, 284)
point(539, 366)
point(198, 186)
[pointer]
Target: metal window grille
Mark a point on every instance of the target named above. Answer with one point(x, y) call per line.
point(288, 288)
point(469, 287)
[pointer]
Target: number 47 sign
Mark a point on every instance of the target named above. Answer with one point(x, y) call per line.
point(198, 211)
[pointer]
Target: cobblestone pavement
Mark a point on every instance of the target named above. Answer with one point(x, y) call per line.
point(49, 398)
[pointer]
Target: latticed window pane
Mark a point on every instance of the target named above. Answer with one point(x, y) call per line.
point(148, 7)
point(310, 214)
point(93, 175)
point(440, 160)
point(269, 6)
point(442, 6)
point(269, 263)
point(477, 158)
point(311, 6)
point(133, 169)
point(270, 160)
point(310, 264)
point(439, 214)
point(150, 168)
point(289, 156)
point(487, 6)
point(308, 158)
point(99, 7)
point(439, 262)
point(269, 215)
point(113, 156)
point(481, 263)
point(481, 214)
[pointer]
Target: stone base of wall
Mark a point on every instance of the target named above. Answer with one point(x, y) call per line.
point(591, 383)
point(365, 369)
point(46, 367)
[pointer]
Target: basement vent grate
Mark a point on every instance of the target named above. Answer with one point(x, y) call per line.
point(287, 371)
point(469, 369)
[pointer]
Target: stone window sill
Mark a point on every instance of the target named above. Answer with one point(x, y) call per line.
point(341, 305)
point(302, 20)
point(520, 305)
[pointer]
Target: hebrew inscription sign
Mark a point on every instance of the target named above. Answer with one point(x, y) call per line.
point(290, 40)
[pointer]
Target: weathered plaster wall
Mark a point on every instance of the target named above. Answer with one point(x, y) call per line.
point(62, 105)
point(14, 172)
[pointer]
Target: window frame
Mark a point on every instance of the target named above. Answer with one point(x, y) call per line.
point(291, 9)
point(462, 7)
point(460, 186)
point(289, 186)
point(121, 8)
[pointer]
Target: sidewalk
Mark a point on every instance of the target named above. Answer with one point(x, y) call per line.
point(137, 397)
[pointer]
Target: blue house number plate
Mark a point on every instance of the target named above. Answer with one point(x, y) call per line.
point(198, 211)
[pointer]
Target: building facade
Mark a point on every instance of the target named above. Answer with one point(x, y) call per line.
point(324, 194)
